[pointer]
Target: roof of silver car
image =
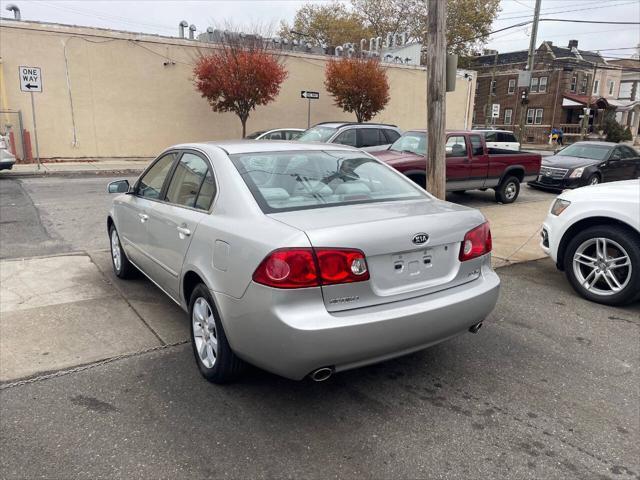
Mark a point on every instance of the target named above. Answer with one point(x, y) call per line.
point(252, 146)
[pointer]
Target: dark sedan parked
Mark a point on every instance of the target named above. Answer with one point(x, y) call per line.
point(588, 163)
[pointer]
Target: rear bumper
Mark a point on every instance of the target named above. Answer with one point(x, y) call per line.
point(292, 334)
point(6, 164)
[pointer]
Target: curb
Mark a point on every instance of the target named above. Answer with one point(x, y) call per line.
point(72, 173)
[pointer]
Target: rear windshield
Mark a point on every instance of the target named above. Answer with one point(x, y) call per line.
point(317, 134)
point(412, 142)
point(584, 150)
point(285, 181)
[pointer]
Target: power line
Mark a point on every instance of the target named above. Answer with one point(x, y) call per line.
point(554, 11)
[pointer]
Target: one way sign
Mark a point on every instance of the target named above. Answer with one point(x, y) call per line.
point(309, 95)
point(30, 79)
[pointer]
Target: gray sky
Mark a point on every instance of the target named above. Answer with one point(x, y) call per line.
point(162, 17)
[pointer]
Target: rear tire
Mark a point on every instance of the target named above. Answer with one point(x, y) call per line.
point(620, 242)
point(508, 190)
point(214, 357)
point(122, 267)
point(460, 192)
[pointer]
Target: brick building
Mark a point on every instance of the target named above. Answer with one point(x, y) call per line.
point(564, 81)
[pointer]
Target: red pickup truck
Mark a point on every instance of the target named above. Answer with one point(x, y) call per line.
point(470, 163)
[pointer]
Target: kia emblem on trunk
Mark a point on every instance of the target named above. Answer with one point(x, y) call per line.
point(420, 238)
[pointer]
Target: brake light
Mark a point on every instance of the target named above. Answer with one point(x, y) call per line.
point(341, 265)
point(307, 267)
point(476, 242)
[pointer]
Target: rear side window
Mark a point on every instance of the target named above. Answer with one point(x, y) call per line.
point(456, 146)
point(476, 145)
point(628, 152)
point(285, 181)
point(491, 137)
point(391, 135)
point(371, 137)
point(189, 178)
point(348, 137)
point(275, 136)
point(150, 185)
point(510, 137)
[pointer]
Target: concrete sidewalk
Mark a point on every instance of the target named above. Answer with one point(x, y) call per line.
point(101, 167)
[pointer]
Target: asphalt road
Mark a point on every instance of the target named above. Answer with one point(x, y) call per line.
point(549, 388)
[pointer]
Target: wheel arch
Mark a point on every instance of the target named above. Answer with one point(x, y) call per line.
point(110, 222)
point(513, 171)
point(587, 223)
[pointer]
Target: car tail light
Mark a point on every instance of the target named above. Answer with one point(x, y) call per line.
point(341, 265)
point(476, 242)
point(307, 267)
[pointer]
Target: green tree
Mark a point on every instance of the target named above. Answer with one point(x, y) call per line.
point(335, 24)
point(325, 25)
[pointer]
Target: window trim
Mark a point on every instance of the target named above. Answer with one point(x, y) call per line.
point(511, 88)
point(612, 86)
point(541, 84)
point(510, 110)
point(179, 152)
point(493, 86)
point(573, 86)
point(584, 84)
point(535, 118)
point(533, 86)
point(596, 87)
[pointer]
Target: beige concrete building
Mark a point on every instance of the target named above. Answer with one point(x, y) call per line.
point(111, 94)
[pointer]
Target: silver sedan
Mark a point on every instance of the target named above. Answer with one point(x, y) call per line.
point(302, 259)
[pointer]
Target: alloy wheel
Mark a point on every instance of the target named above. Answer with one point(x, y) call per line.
point(204, 332)
point(510, 190)
point(594, 180)
point(116, 254)
point(602, 266)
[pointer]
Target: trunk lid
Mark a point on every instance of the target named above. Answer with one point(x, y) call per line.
point(399, 268)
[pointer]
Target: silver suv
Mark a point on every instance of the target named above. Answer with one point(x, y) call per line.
point(303, 259)
point(369, 137)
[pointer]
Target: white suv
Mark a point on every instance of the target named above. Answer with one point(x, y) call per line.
point(503, 139)
point(593, 234)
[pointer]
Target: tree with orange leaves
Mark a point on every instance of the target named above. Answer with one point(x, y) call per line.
point(239, 77)
point(358, 85)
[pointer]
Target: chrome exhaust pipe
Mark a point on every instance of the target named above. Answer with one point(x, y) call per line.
point(321, 374)
point(475, 328)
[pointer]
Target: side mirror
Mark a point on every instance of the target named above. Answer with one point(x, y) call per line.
point(119, 186)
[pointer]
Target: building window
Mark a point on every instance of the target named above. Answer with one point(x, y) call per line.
point(473, 117)
point(612, 86)
point(512, 86)
point(508, 113)
point(538, 119)
point(493, 87)
point(596, 87)
point(574, 83)
point(530, 116)
point(583, 84)
point(543, 84)
point(534, 85)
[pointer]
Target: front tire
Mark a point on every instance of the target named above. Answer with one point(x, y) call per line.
point(122, 267)
point(214, 357)
point(508, 190)
point(593, 180)
point(602, 263)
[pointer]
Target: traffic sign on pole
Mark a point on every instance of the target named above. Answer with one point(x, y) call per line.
point(309, 95)
point(30, 79)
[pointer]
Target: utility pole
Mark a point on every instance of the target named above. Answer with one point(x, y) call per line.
point(488, 111)
point(530, 58)
point(436, 97)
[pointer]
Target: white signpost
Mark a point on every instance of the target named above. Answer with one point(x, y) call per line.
point(309, 96)
point(31, 81)
point(495, 110)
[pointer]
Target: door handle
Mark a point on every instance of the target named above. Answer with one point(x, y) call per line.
point(183, 231)
point(143, 217)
